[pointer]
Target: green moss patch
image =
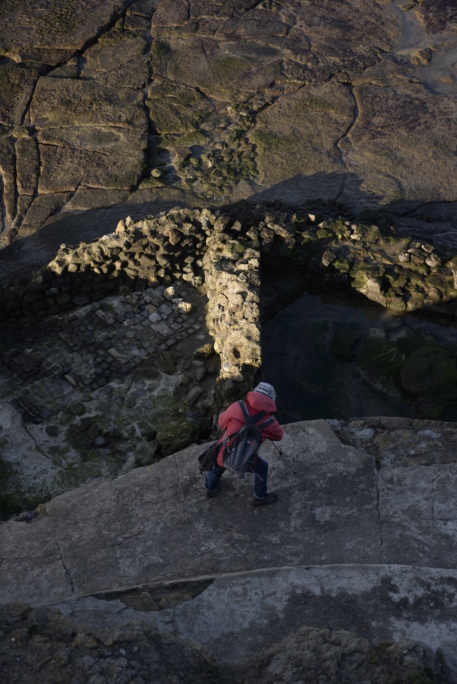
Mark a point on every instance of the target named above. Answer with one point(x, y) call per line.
point(379, 358)
point(177, 434)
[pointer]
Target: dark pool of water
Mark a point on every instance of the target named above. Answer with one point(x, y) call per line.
point(310, 381)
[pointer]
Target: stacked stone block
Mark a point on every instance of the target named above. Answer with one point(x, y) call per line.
point(233, 283)
point(223, 253)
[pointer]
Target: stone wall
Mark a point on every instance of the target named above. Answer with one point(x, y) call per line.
point(232, 279)
point(222, 252)
point(194, 246)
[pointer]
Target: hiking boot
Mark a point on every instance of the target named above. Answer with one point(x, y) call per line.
point(209, 493)
point(268, 499)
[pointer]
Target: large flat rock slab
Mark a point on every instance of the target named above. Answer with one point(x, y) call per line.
point(155, 524)
point(246, 614)
point(237, 615)
point(351, 545)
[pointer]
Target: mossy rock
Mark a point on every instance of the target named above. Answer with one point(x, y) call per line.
point(148, 370)
point(358, 279)
point(146, 454)
point(395, 302)
point(52, 430)
point(430, 408)
point(177, 434)
point(398, 277)
point(410, 343)
point(341, 266)
point(419, 269)
point(427, 371)
point(11, 504)
point(148, 431)
point(168, 362)
point(345, 340)
point(414, 300)
point(77, 409)
point(5, 472)
point(80, 441)
point(379, 358)
point(339, 228)
point(77, 474)
point(167, 406)
point(15, 502)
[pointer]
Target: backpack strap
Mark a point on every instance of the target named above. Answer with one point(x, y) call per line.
point(256, 419)
point(253, 420)
point(247, 417)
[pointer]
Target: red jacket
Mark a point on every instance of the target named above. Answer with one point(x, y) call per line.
point(232, 418)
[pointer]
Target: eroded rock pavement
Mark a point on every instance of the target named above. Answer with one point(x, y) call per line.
point(111, 108)
point(360, 548)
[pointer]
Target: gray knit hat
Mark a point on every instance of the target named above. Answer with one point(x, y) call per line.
point(267, 389)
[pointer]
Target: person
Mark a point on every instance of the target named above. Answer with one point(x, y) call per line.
point(262, 398)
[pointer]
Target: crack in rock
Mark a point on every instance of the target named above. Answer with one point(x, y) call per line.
point(68, 576)
point(378, 501)
point(2, 204)
point(344, 144)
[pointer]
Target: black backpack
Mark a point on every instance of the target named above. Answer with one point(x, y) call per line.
point(240, 453)
point(208, 458)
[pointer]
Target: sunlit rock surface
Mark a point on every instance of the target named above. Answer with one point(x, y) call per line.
point(126, 106)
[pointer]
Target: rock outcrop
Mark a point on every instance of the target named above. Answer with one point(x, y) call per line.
point(336, 129)
point(123, 349)
point(114, 108)
point(134, 650)
point(350, 576)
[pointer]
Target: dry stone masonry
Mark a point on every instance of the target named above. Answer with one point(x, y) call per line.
point(123, 349)
point(232, 276)
point(227, 255)
point(101, 389)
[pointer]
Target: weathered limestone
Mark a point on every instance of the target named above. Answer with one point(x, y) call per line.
point(144, 99)
point(232, 280)
point(134, 648)
point(148, 547)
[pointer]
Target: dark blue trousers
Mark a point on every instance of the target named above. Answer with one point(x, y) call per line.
point(260, 469)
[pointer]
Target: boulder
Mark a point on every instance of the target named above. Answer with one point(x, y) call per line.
point(428, 370)
point(345, 341)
